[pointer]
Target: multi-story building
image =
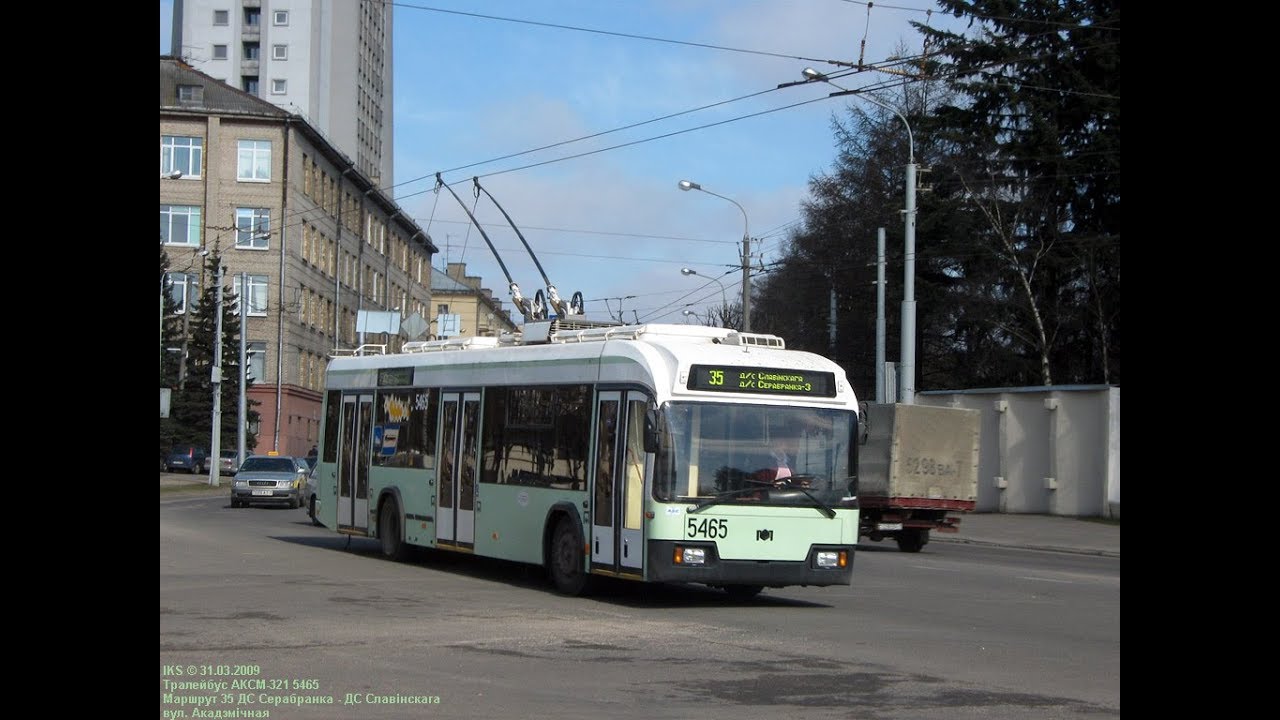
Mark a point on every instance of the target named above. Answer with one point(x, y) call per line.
point(310, 236)
point(460, 296)
point(326, 60)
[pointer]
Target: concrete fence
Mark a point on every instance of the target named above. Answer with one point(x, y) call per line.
point(1051, 450)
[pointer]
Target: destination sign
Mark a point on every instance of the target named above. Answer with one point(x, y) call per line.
point(391, 377)
point(769, 381)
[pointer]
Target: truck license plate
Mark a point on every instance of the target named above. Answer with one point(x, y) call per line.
point(268, 493)
point(889, 526)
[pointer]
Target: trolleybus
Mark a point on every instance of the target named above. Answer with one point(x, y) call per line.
point(655, 453)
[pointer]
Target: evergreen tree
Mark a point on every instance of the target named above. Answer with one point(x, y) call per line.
point(1034, 142)
point(191, 411)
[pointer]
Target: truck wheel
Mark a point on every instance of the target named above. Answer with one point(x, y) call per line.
point(566, 559)
point(912, 540)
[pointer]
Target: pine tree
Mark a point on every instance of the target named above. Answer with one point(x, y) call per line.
point(1035, 158)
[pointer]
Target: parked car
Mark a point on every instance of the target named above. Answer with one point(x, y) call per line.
point(269, 479)
point(187, 458)
point(310, 501)
point(229, 462)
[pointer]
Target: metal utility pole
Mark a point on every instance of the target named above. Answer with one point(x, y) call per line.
point(242, 416)
point(215, 379)
point(880, 315)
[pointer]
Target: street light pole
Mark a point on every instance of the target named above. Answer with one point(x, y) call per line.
point(215, 379)
point(724, 299)
point(908, 373)
point(746, 252)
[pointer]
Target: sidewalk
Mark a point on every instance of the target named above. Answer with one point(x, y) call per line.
point(1088, 536)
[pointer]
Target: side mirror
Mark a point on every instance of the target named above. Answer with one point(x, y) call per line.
point(651, 430)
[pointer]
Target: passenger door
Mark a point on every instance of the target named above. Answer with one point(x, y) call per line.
point(459, 467)
point(353, 462)
point(618, 483)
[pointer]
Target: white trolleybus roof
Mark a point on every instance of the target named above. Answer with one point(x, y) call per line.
point(676, 361)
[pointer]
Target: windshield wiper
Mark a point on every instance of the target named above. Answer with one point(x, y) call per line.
point(822, 507)
point(719, 497)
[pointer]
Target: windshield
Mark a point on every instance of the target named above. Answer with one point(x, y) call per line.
point(753, 454)
point(269, 464)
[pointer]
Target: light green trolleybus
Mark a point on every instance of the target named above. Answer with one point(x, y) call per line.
point(655, 453)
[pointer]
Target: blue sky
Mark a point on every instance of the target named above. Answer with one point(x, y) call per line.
point(613, 224)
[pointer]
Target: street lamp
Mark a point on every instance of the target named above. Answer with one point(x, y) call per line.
point(724, 299)
point(688, 314)
point(908, 360)
point(746, 253)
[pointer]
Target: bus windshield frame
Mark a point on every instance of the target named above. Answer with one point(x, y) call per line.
point(729, 453)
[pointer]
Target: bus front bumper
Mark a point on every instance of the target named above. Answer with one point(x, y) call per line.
point(662, 567)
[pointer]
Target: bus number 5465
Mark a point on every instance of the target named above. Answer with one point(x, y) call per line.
point(707, 528)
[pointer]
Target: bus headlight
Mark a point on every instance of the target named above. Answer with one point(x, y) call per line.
point(832, 558)
point(690, 556)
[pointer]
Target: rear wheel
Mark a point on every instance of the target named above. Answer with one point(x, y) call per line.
point(196, 469)
point(389, 532)
point(912, 539)
point(566, 558)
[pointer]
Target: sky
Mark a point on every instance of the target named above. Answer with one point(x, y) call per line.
point(479, 80)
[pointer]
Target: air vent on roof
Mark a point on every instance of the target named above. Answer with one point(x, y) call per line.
point(755, 339)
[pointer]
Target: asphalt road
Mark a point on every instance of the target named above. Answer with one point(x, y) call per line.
point(292, 612)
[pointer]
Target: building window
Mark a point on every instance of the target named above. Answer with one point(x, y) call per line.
point(257, 295)
point(253, 228)
point(252, 16)
point(180, 225)
point(254, 161)
point(181, 154)
point(277, 87)
point(279, 52)
point(190, 93)
point(251, 51)
point(249, 83)
point(221, 17)
point(257, 352)
point(219, 52)
point(280, 17)
point(183, 290)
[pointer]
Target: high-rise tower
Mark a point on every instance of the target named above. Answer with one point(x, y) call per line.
point(327, 60)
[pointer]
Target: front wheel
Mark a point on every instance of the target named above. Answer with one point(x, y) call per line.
point(566, 558)
point(389, 532)
point(311, 510)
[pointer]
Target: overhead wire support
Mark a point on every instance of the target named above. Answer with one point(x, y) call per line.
point(575, 307)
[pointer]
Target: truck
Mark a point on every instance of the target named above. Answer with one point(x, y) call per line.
point(917, 464)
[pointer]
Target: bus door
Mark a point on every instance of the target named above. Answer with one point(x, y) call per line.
point(459, 465)
point(353, 462)
point(621, 465)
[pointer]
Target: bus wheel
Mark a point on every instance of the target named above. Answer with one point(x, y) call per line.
point(566, 558)
point(912, 540)
point(389, 532)
point(743, 592)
